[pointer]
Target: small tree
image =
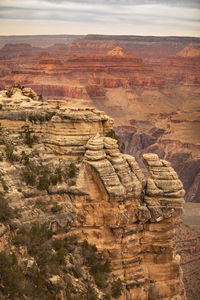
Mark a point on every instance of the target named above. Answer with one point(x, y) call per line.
point(116, 288)
point(71, 170)
point(40, 97)
point(9, 93)
point(29, 137)
point(6, 212)
point(9, 149)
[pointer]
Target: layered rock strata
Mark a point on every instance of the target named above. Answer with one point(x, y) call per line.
point(65, 130)
point(137, 232)
point(110, 203)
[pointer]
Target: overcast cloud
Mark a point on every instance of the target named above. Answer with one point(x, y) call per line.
point(146, 17)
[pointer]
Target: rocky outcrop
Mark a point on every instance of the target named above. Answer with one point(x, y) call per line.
point(171, 143)
point(141, 238)
point(192, 50)
point(65, 130)
point(109, 203)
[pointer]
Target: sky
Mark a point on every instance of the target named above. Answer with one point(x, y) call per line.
point(133, 17)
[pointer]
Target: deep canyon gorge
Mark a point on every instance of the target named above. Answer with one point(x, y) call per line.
point(150, 87)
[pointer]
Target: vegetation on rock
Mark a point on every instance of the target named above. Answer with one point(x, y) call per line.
point(10, 155)
point(29, 137)
point(6, 212)
point(65, 259)
point(9, 93)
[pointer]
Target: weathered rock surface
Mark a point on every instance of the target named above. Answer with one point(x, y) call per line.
point(109, 203)
point(188, 247)
point(150, 85)
point(65, 130)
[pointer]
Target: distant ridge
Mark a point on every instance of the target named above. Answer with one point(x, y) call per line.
point(142, 38)
point(192, 50)
point(39, 40)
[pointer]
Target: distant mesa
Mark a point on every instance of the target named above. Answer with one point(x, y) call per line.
point(192, 50)
point(17, 45)
point(117, 51)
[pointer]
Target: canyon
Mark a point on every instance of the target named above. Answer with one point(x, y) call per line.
point(103, 199)
point(148, 85)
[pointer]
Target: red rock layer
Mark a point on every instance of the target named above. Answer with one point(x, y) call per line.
point(187, 243)
point(158, 101)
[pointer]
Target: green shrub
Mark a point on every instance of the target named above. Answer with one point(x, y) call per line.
point(5, 187)
point(116, 288)
point(38, 241)
point(30, 95)
point(91, 294)
point(36, 234)
point(43, 182)
point(71, 182)
point(9, 93)
point(99, 265)
point(107, 297)
point(41, 204)
point(100, 280)
point(9, 150)
point(34, 237)
point(36, 175)
point(38, 284)
point(24, 158)
point(50, 254)
point(54, 179)
point(71, 170)
point(56, 208)
point(29, 177)
point(69, 243)
point(29, 137)
point(18, 86)
point(76, 270)
point(40, 97)
point(11, 276)
point(58, 244)
point(16, 285)
point(59, 257)
point(59, 174)
point(6, 212)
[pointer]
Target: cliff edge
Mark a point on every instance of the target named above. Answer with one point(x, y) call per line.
point(60, 167)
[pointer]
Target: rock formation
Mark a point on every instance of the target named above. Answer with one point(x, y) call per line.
point(191, 50)
point(153, 101)
point(109, 203)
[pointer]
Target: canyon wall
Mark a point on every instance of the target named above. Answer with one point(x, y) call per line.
point(155, 104)
point(106, 200)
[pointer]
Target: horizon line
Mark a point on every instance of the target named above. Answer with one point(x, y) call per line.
point(99, 34)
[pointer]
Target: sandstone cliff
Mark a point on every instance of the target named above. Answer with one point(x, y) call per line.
point(60, 167)
point(155, 105)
